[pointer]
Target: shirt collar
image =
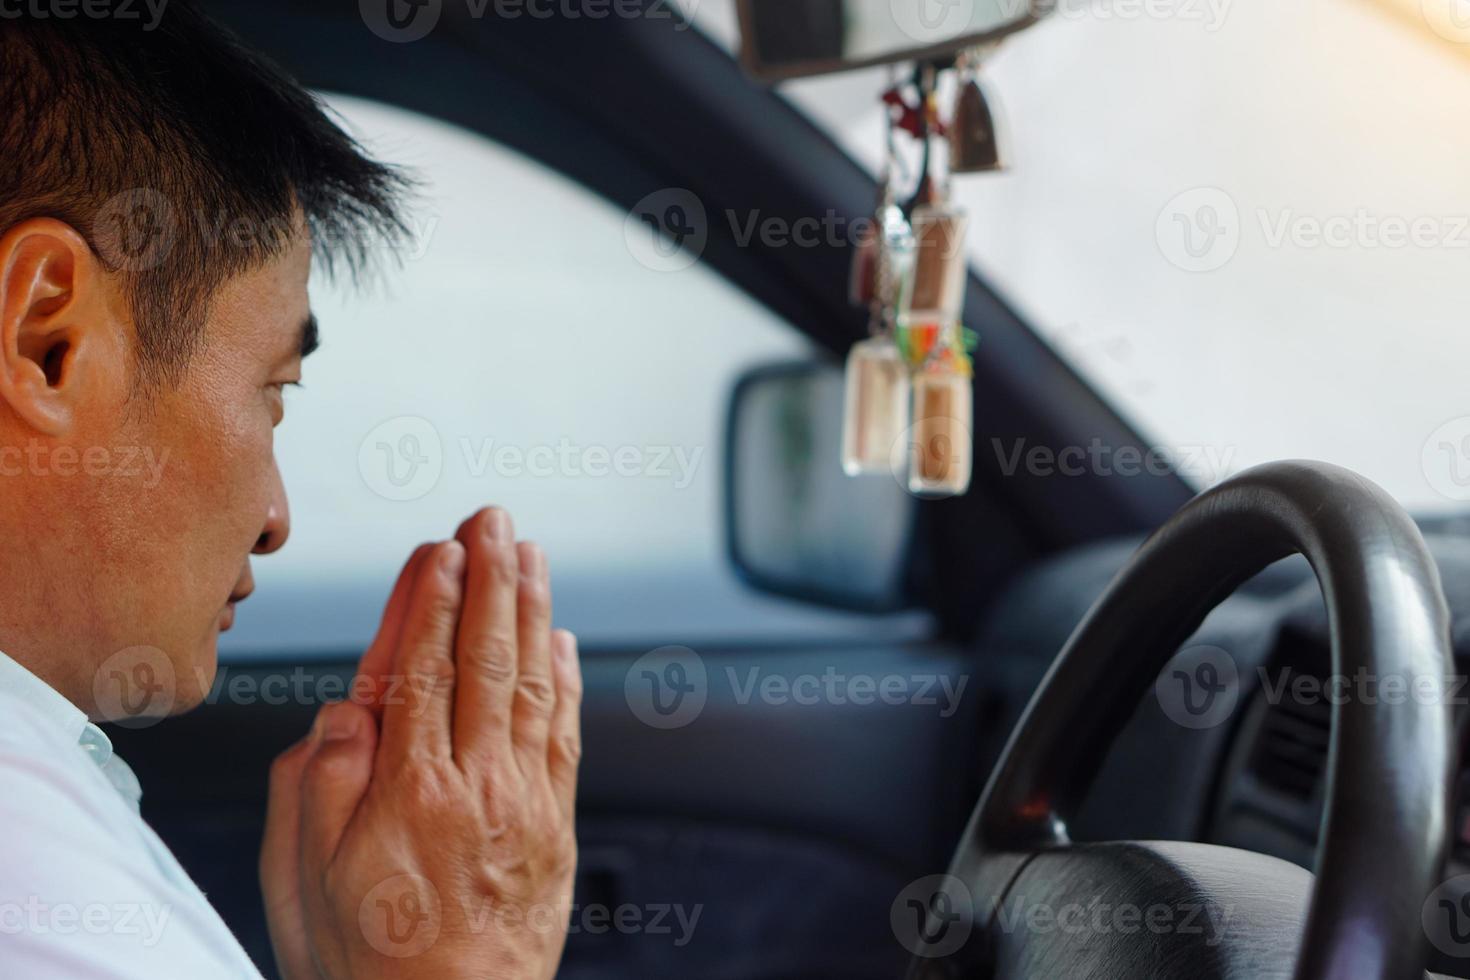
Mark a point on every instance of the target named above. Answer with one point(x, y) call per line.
point(72, 721)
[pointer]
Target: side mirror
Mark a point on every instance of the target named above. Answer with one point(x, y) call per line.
point(796, 524)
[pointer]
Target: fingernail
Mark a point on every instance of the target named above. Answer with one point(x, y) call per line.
point(452, 560)
point(499, 524)
point(335, 724)
point(535, 562)
point(566, 645)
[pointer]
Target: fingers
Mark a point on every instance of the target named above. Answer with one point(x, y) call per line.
point(564, 747)
point(335, 779)
point(416, 726)
point(280, 851)
point(535, 698)
point(486, 651)
point(377, 662)
point(281, 880)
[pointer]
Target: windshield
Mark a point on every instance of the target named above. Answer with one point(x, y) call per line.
point(1247, 225)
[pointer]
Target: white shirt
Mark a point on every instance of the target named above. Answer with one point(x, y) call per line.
point(87, 889)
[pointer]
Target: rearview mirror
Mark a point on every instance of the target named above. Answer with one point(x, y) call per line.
point(792, 38)
point(796, 524)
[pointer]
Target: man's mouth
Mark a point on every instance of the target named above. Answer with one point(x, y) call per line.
point(227, 615)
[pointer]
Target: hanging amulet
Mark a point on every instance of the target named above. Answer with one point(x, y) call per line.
point(974, 145)
point(885, 245)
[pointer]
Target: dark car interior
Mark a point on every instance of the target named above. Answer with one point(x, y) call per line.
point(792, 831)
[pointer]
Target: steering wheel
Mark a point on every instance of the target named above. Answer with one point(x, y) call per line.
point(1384, 828)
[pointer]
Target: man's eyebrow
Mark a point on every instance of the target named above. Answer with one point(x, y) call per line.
point(310, 335)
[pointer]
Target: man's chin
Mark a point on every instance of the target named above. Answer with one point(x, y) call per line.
point(140, 686)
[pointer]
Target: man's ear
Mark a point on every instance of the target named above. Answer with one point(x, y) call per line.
point(57, 327)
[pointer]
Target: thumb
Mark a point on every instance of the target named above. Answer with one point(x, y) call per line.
point(335, 779)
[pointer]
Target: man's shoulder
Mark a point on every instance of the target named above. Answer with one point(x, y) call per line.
point(51, 785)
point(23, 725)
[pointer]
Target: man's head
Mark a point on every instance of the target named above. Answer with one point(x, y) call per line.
point(162, 194)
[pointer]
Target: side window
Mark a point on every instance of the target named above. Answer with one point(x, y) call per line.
point(524, 356)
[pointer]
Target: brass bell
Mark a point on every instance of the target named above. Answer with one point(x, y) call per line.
point(974, 146)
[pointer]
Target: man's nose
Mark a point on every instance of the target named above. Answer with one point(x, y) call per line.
point(277, 519)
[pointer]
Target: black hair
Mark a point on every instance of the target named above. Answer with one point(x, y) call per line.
point(184, 158)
